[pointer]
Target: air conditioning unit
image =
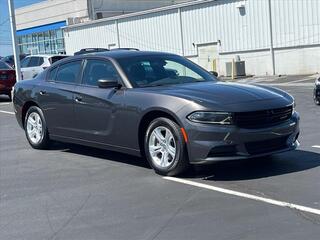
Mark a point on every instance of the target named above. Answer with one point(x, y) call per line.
point(74, 20)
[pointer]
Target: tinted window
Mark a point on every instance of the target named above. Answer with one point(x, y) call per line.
point(4, 66)
point(25, 62)
point(148, 71)
point(56, 58)
point(68, 73)
point(41, 61)
point(96, 70)
point(52, 74)
point(34, 62)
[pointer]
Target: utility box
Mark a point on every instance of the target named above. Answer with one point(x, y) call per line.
point(239, 68)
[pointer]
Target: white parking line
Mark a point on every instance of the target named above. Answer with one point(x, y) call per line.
point(245, 195)
point(6, 103)
point(12, 113)
point(316, 146)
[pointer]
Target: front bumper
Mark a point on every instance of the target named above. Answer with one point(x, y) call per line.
point(209, 143)
point(316, 92)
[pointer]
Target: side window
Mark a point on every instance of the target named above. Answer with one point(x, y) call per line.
point(96, 70)
point(34, 62)
point(25, 62)
point(41, 61)
point(69, 72)
point(52, 74)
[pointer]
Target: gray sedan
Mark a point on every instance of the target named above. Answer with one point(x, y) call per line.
point(156, 105)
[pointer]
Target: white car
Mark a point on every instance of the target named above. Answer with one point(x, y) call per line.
point(31, 66)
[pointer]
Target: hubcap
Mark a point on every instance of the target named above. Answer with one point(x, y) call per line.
point(162, 147)
point(34, 128)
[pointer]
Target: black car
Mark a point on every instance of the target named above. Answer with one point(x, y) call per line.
point(316, 92)
point(158, 105)
point(10, 59)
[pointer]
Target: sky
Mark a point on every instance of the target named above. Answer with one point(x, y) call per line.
point(5, 34)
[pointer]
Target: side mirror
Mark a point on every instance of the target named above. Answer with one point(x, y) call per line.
point(103, 83)
point(214, 73)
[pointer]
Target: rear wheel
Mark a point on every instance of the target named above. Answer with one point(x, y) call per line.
point(165, 147)
point(36, 128)
point(316, 101)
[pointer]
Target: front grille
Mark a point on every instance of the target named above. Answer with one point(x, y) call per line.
point(266, 145)
point(265, 118)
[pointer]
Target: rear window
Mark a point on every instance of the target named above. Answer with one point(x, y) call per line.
point(4, 66)
point(54, 59)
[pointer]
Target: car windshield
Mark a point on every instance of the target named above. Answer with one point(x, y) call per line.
point(4, 66)
point(149, 71)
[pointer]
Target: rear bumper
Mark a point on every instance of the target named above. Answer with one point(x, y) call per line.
point(210, 143)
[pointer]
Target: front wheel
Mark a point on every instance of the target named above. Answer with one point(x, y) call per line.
point(36, 128)
point(166, 148)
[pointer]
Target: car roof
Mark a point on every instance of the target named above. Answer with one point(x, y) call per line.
point(48, 55)
point(119, 54)
point(128, 53)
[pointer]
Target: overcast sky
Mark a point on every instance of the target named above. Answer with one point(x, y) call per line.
point(5, 35)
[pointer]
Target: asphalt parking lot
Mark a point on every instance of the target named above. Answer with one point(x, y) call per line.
point(74, 192)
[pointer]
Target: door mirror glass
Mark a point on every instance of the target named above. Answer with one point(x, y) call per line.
point(104, 83)
point(214, 73)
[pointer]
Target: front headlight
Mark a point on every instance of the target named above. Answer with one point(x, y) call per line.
point(318, 81)
point(222, 118)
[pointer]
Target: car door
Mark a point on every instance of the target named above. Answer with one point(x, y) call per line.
point(97, 109)
point(56, 96)
point(29, 71)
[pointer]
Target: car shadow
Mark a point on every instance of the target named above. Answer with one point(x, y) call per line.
point(101, 154)
point(286, 163)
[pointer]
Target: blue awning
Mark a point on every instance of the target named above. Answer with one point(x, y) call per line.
point(43, 28)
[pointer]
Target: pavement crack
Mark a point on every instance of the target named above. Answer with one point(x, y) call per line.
point(71, 218)
point(156, 234)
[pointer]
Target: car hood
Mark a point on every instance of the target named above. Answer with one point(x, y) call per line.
point(224, 93)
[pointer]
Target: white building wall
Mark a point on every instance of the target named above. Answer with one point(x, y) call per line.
point(243, 32)
point(51, 11)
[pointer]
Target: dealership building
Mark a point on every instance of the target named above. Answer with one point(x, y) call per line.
point(262, 37)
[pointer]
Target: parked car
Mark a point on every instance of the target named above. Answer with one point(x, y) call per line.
point(316, 92)
point(158, 105)
point(7, 79)
point(10, 59)
point(31, 66)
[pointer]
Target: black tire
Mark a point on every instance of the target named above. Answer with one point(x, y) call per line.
point(180, 163)
point(44, 141)
point(316, 101)
point(10, 96)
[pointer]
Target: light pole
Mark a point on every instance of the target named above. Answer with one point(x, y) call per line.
point(16, 51)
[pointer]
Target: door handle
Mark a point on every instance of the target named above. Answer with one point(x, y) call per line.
point(78, 99)
point(43, 93)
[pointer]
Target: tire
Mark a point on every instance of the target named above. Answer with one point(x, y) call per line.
point(10, 96)
point(316, 101)
point(36, 129)
point(159, 153)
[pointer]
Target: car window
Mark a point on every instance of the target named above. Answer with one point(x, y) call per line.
point(34, 62)
point(4, 66)
point(68, 73)
point(148, 71)
point(52, 74)
point(25, 62)
point(41, 61)
point(54, 59)
point(96, 70)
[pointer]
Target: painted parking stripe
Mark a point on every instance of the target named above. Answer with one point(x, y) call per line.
point(6, 103)
point(6, 112)
point(316, 146)
point(245, 195)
